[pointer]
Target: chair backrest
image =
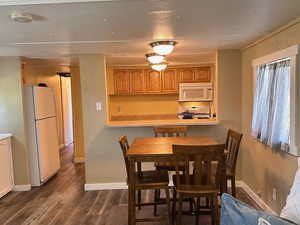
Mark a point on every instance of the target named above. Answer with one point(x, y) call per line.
point(232, 146)
point(199, 166)
point(170, 131)
point(125, 146)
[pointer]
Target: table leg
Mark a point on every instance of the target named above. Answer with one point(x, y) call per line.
point(131, 194)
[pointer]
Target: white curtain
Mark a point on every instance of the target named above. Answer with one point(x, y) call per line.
point(271, 110)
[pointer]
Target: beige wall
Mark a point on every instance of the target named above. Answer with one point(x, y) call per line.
point(79, 153)
point(104, 163)
point(34, 74)
point(229, 87)
point(262, 168)
point(11, 115)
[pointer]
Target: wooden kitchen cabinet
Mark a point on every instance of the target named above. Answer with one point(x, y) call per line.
point(202, 74)
point(169, 81)
point(153, 81)
point(197, 74)
point(122, 81)
point(6, 168)
point(137, 81)
point(186, 75)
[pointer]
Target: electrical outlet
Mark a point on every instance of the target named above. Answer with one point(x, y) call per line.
point(274, 194)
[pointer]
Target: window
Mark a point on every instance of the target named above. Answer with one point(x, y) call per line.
point(271, 114)
point(276, 114)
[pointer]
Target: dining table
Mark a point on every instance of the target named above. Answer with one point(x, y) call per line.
point(155, 149)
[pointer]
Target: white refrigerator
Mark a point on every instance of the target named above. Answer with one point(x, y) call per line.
point(42, 134)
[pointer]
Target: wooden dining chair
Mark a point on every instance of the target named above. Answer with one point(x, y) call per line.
point(232, 147)
point(199, 178)
point(167, 131)
point(147, 180)
point(170, 131)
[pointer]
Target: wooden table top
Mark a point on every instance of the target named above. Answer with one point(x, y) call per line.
point(163, 145)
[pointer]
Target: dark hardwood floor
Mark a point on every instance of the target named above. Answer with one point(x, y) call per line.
point(63, 201)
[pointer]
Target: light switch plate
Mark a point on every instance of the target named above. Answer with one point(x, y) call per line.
point(98, 106)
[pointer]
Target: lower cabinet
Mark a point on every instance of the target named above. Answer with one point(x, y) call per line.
point(6, 168)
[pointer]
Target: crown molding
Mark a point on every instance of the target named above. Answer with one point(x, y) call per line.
point(272, 34)
point(40, 2)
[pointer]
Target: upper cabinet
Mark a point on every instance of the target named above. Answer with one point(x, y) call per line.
point(187, 74)
point(137, 81)
point(169, 81)
point(197, 74)
point(122, 81)
point(147, 81)
point(153, 81)
point(202, 74)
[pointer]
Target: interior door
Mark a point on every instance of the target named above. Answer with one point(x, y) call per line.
point(44, 102)
point(67, 109)
point(48, 147)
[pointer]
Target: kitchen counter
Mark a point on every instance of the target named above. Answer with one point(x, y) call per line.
point(5, 136)
point(161, 122)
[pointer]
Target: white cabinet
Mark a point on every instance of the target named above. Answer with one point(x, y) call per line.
point(6, 169)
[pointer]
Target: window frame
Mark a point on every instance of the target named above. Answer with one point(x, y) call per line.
point(292, 53)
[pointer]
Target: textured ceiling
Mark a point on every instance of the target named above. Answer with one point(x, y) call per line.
point(123, 29)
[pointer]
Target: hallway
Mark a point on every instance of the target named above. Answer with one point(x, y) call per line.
point(63, 201)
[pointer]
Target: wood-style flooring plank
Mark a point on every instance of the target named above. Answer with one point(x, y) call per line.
point(63, 201)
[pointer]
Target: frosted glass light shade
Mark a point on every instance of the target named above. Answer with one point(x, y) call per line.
point(159, 66)
point(154, 58)
point(163, 47)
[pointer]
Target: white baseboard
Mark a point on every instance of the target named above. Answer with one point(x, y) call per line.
point(255, 197)
point(79, 160)
point(104, 186)
point(25, 187)
point(241, 184)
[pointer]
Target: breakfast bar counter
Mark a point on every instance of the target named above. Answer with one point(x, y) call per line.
point(162, 122)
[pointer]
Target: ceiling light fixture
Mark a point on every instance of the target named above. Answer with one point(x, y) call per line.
point(154, 58)
point(21, 17)
point(159, 66)
point(163, 47)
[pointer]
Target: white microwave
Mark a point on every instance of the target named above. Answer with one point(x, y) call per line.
point(189, 92)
